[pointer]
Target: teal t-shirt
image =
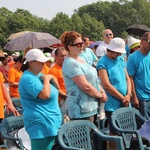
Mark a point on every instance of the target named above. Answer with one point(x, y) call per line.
point(117, 77)
point(138, 66)
point(78, 103)
point(42, 118)
point(88, 56)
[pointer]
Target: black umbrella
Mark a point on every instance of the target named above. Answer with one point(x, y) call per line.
point(31, 39)
point(137, 29)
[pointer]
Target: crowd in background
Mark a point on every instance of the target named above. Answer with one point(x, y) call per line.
point(77, 78)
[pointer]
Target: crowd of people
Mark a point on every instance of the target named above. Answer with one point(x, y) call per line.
point(75, 78)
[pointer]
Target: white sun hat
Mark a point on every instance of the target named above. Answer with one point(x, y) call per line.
point(117, 45)
point(133, 42)
point(36, 54)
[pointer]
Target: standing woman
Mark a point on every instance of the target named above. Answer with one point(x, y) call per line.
point(81, 81)
point(115, 80)
point(39, 99)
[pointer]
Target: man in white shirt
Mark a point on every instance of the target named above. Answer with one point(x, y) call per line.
point(102, 48)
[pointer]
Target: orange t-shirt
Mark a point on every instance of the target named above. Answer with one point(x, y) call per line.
point(45, 69)
point(56, 71)
point(11, 64)
point(1, 97)
point(14, 76)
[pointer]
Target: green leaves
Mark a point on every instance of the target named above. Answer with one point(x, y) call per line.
point(89, 20)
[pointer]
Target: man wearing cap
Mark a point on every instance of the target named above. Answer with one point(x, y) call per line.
point(102, 48)
point(115, 80)
point(133, 43)
point(138, 67)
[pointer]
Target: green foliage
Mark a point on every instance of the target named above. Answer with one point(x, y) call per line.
point(89, 20)
point(92, 27)
point(77, 23)
point(60, 24)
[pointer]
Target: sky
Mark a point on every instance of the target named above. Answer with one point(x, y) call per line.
point(46, 8)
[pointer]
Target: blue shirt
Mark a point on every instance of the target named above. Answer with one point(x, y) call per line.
point(78, 103)
point(117, 77)
point(88, 56)
point(42, 118)
point(138, 67)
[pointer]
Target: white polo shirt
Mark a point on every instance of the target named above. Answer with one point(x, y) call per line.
point(101, 49)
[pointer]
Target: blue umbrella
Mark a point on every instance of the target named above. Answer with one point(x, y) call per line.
point(95, 43)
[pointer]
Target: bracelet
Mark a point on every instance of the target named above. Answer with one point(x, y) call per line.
point(130, 94)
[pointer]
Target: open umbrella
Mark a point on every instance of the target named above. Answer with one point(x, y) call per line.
point(15, 35)
point(137, 29)
point(95, 43)
point(31, 39)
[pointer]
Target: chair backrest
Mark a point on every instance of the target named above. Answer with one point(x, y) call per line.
point(17, 104)
point(9, 125)
point(147, 111)
point(125, 119)
point(76, 135)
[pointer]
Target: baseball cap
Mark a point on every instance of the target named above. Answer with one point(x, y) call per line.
point(117, 45)
point(48, 55)
point(17, 54)
point(36, 54)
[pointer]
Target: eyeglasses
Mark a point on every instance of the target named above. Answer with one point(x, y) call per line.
point(80, 44)
point(147, 40)
point(110, 34)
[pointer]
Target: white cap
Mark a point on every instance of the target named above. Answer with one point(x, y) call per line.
point(17, 54)
point(36, 54)
point(117, 45)
point(133, 42)
point(48, 55)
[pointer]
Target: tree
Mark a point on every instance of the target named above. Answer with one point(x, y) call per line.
point(143, 11)
point(92, 28)
point(4, 32)
point(77, 23)
point(89, 20)
point(60, 24)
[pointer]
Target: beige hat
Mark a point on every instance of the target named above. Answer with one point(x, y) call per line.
point(133, 42)
point(117, 45)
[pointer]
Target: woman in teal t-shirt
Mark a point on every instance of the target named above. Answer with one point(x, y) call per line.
point(115, 80)
point(39, 99)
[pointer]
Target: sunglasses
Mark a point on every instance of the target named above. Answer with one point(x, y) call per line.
point(110, 34)
point(80, 44)
point(137, 47)
point(147, 40)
